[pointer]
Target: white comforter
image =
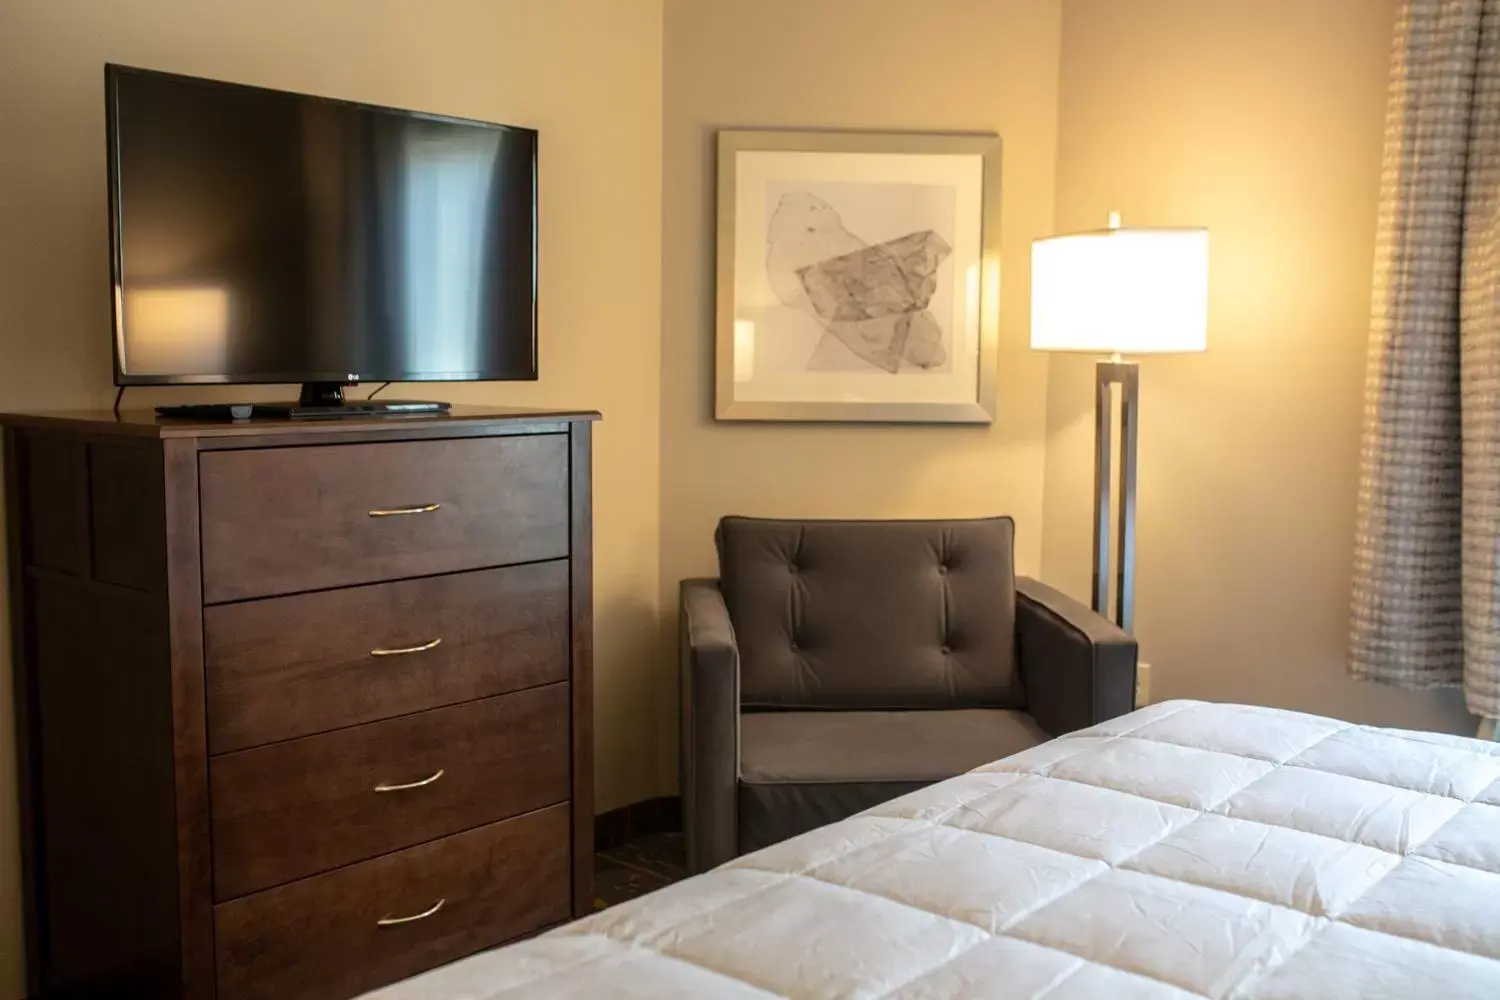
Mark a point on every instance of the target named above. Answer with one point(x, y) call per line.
point(1184, 850)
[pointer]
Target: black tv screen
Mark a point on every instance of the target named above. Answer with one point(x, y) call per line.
point(261, 236)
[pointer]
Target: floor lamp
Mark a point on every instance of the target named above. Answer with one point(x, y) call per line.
point(1119, 291)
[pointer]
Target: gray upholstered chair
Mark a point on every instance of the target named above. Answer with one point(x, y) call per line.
point(838, 664)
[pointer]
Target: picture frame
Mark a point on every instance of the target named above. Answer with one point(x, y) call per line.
point(857, 276)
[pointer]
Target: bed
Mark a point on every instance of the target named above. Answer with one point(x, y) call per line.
point(1184, 850)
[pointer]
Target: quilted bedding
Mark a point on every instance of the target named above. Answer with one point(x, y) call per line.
point(1184, 850)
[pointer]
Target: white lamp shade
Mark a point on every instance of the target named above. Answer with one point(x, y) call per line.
point(1131, 291)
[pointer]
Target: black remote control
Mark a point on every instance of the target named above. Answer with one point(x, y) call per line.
point(208, 411)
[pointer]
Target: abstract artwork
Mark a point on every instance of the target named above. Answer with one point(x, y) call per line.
point(852, 277)
point(872, 299)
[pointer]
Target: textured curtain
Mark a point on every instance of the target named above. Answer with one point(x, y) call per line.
point(1426, 601)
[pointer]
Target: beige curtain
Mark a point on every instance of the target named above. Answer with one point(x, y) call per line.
point(1426, 602)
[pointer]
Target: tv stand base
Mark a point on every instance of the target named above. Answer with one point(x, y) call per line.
point(318, 401)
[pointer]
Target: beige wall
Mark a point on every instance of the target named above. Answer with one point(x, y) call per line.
point(875, 64)
point(585, 72)
point(1261, 120)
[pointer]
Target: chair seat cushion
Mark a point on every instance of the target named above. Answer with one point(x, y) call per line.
point(802, 770)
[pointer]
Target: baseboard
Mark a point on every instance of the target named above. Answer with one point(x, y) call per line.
point(639, 819)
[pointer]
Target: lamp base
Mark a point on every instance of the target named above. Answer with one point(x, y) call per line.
point(1108, 374)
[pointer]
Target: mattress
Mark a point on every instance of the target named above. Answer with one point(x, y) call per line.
point(1184, 850)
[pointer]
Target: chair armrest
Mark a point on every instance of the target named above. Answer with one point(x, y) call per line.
point(1077, 666)
point(709, 668)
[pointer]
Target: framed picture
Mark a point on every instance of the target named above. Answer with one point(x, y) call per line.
point(858, 277)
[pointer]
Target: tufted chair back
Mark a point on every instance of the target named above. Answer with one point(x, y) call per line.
point(872, 614)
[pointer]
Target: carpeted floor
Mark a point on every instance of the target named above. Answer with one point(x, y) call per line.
point(637, 867)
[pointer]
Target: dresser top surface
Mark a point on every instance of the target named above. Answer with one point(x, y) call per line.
point(145, 423)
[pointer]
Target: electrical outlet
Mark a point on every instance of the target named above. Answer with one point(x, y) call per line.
point(1142, 684)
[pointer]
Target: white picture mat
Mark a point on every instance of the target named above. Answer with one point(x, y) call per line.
point(770, 337)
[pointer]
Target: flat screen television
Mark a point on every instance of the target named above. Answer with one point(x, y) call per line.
point(260, 236)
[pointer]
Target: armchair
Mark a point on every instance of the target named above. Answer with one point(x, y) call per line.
point(837, 664)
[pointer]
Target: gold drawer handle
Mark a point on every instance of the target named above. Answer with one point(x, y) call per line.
point(434, 644)
point(393, 921)
point(426, 508)
point(410, 784)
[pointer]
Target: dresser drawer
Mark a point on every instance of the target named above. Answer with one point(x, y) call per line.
point(322, 938)
point(284, 667)
point(292, 809)
point(285, 520)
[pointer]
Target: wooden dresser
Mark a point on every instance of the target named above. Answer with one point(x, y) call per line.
point(303, 708)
